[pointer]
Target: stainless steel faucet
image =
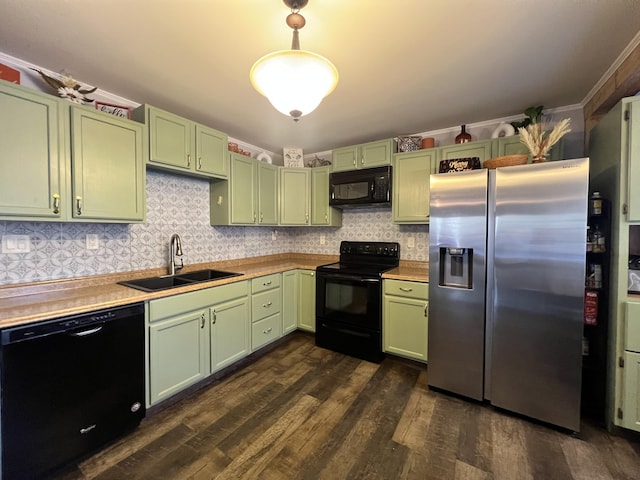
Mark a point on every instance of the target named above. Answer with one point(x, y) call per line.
point(175, 250)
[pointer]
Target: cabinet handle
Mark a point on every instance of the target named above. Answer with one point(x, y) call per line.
point(79, 205)
point(254, 217)
point(264, 284)
point(56, 203)
point(267, 305)
point(354, 162)
point(188, 159)
point(306, 217)
point(326, 217)
point(405, 289)
point(215, 317)
point(362, 160)
point(202, 320)
point(261, 217)
point(268, 330)
point(199, 163)
point(426, 309)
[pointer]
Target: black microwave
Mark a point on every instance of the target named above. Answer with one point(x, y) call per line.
point(368, 187)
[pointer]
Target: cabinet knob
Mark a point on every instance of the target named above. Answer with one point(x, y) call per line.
point(312, 273)
point(56, 203)
point(79, 205)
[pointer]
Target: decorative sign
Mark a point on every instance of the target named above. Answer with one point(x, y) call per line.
point(293, 157)
point(117, 110)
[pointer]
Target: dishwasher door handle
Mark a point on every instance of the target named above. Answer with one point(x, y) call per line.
point(84, 333)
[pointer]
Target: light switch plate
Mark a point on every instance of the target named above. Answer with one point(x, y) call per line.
point(16, 244)
point(411, 242)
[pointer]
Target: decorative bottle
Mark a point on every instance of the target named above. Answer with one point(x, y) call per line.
point(463, 136)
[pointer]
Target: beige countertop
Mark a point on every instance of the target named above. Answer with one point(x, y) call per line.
point(25, 303)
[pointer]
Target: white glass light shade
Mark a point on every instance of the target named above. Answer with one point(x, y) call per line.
point(294, 80)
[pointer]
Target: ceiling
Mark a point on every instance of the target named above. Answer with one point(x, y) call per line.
point(406, 66)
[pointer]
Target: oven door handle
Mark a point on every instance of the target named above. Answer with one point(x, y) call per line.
point(354, 278)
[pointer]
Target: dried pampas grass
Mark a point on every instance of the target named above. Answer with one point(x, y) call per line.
point(534, 138)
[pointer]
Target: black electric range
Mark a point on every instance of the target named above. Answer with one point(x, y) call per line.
point(349, 299)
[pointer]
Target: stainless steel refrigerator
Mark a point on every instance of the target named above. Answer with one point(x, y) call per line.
point(506, 287)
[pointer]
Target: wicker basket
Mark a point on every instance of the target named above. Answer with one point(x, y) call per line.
point(506, 161)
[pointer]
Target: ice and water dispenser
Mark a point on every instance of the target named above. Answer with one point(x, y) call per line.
point(455, 267)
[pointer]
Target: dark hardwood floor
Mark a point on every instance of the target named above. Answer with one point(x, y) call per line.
point(302, 412)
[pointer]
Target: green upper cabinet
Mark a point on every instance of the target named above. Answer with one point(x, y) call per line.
point(366, 155)
point(633, 161)
point(243, 190)
point(321, 212)
point(481, 149)
point(31, 155)
point(107, 165)
point(211, 152)
point(411, 171)
point(267, 194)
point(295, 187)
point(180, 145)
point(513, 146)
point(249, 197)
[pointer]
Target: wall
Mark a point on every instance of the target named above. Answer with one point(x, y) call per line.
point(180, 205)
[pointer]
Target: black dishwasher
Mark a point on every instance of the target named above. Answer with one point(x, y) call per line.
point(69, 386)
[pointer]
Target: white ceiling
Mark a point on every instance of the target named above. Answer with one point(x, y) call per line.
point(406, 66)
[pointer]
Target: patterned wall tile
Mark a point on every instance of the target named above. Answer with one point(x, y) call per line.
point(180, 205)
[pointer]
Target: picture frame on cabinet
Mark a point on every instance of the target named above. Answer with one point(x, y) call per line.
point(293, 157)
point(112, 109)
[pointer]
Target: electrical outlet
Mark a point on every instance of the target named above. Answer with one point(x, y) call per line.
point(16, 244)
point(274, 235)
point(411, 242)
point(93, 241)
point(323, 240)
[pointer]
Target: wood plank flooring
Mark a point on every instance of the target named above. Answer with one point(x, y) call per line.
point(302, 412)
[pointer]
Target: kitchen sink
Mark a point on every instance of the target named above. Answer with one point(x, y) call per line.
point(204, 275)
point(153, 284)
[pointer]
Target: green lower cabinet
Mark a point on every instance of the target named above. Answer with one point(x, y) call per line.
point(307, 300)
point(178, 354)
point(411, 172)
point(289, 301)
point(266, 310)
point(405, 319)
point(229, 332)
point(631, 391)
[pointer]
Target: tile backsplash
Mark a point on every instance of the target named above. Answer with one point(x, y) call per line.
point(180, 205)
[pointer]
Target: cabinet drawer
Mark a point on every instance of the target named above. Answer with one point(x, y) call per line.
point(265, 304)
point(632, 327)
point(403, 288)
point(266, 331)
point(265, 283)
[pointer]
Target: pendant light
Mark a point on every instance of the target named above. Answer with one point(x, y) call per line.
point(294, 81)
